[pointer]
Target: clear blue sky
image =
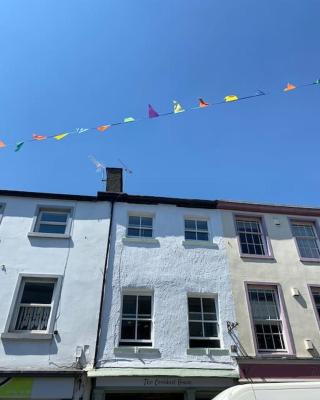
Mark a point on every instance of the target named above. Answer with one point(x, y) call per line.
point(78, 63)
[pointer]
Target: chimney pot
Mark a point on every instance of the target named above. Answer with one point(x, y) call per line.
point(114, 180)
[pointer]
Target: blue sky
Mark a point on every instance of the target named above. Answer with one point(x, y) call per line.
point(79, 63)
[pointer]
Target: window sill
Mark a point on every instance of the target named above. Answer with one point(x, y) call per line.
point(207, 352)
point(257, 257)
point(26, 336)
point(199, 243)
point(136, 350)
point(49, 235)
point(140, 240)
point(310, 260)
point(276, 354)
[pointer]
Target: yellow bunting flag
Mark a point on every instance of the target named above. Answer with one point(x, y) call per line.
point(103, 128)
point(38, 137)
point(289, 87)
point(231, 98)
point(129, 119)
point(61, 136)
point(203, 103)
point(177, 108)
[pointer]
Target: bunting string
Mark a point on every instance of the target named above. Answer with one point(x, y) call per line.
point(152, 113)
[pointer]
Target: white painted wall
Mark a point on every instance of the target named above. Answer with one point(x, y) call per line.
point(286, 270)
point(171, 271)
point(81, 258)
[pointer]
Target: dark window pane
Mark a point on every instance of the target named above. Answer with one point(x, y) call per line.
point(202, 236)
point(190, 235)
point(251, 249)
point(210, 329)
point(144, 306)
point(259, 328)
point(261, 342)
point(144, 330)
point(278, 342)
point(195, 316)
point(133, 232)
point(208, 305)
point(259, 250)
point(146, 232)
point(253, 295)
point(40, 293)
point(249, 238)
point(240, 226)
point(269, 341)
point(53, 217)
point(128, 329)
point(190, 224)
point(133, 220)
point(135, 343)
point(195, 329)
point(45, 228)
point(146, 221)
point(194, 304)
point(204, 343)
point(244, 249)
point(202, 225)
point(129, 305)
point(209, 317)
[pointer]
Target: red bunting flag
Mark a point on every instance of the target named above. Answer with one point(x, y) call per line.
point(38, 137)
point(103, 128)
point(203, 103)
point(152, 112)
point(290, 86)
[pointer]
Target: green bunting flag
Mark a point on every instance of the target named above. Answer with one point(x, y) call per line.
point(18, 146)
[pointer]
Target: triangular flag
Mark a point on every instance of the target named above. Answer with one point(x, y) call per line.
point(18, 146)
point(129, 119)
point(203, 103)
point(82, 130)
point(103, 128)
point(290, 86)
point(317, 82)
point(177, 108)
point(231, 98)
point(2, 144)
point(152, 112)
point(260, 93)
point(61, 136)
point(38, 137)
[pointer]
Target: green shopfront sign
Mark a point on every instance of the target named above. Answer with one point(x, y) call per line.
point(15, 388)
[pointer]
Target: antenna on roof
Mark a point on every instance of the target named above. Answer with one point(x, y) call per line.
point(125, 167)
point(100, 167)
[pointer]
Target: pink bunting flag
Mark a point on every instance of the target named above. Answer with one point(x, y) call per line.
point(2, 144)
point(152, 112)
point(38, 137)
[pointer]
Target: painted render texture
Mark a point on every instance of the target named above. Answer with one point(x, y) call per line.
point(170, 271)
point(81, 261)
point(285, 269)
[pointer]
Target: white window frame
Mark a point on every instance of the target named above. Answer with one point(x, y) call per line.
point(51, 209)
point(140, 215)
point(315, 229)
point(281, 319)
point(263, 234)
point(217, 321)
point(136, 319)
point(10, 332)
point(195, 218)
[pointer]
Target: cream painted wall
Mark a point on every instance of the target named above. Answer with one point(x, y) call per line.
point(286, 270)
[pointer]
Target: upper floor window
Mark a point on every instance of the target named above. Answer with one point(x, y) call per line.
point(53, 221)
point(268, 325)
point(306, 239)
point(140, 226)
point(1, 210)
point(33, 308)
point(136, 321)
point(251, 236)
point(196, 229)
point(203, 323)
point(316, 299)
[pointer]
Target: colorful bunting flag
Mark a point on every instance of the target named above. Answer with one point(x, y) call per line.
point(260, 93)
point(177, 108)
point(152, 112)
point(290, 86)
point(2, 144)
point(61, 136)
point(18, 146)
point(202, 103)
point(82, 130)
point(129, 119)
point(231, 98)
point(103, 128)
point(317, 82)
point(38, 137)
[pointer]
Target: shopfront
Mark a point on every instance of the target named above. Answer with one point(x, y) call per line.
point(162, 387)
point(32, 388)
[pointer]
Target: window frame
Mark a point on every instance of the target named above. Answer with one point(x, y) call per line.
point(9, 331)
point(315, 225)
point(310, 288)
point(140, 215)
point(137, 293)
point(286, 330)
point(2, 208)
point(264, 232)
point(196, 218)
point(219, 337)
point(52, 209)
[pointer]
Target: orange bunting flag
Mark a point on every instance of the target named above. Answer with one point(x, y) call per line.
point(231, 98)
point(203, 103)
point(38, 137)
point(103, 128)
point(290, 86)
point(2, 144)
